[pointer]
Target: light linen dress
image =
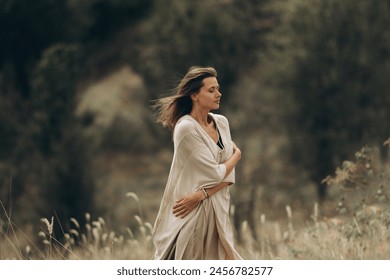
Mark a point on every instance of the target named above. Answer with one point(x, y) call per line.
point(205, 233)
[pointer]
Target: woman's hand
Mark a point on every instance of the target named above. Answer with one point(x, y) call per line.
point(186, 204)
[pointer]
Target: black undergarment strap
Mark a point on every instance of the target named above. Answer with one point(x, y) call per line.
point(220, 143)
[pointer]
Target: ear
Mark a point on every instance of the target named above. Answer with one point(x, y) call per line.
point(194, 97)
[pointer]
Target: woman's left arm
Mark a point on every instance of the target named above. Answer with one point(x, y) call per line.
point(186, 204)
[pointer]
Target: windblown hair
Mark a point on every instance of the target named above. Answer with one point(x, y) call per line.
point(170, 109)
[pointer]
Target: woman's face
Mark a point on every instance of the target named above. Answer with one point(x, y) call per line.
point(209, 95)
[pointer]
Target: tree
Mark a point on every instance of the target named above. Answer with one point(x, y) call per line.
point(44, 154)
point(339, 80)
point(180, 34)
point(54, 153)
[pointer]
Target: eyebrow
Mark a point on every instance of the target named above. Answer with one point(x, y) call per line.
point(217, 86)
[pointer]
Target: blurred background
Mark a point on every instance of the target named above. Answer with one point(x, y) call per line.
point(305, 85)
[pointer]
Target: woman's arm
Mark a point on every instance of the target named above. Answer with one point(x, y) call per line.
point(186, 204)
point(233, 160)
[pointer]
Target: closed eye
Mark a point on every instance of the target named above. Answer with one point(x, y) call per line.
point(212, 89)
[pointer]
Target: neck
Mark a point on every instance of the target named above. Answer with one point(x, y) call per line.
point(200, 116)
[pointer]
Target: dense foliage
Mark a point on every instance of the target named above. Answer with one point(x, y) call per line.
point(339, 80)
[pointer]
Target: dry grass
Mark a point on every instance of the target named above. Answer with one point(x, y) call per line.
point(362, 237)
point(338, 238)
point(358, 228)
point(92, 241)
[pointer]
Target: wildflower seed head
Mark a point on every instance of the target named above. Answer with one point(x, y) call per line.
point(289, 212)
point(132, 195)
point(28, 250)
point(48, 224)
point(75, 222)
point(387, 142)
point(95, 233)
point(262, 219)
point(149, 226)
point(101, 221)
point(51, 225)
point(130, 233)
point(232, 210)
point(139, 220)
point(74, 232)
point(96, 225)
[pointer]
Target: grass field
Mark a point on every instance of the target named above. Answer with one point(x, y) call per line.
point(358, 227)
point(365, 235)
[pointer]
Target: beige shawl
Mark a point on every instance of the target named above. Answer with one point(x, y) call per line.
point(205, 233)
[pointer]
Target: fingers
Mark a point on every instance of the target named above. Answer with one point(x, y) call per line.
point(181, 209)
point(186, 205)
point(182, 214)
point(179, 200)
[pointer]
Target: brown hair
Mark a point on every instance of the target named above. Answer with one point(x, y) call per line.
point(170, 109)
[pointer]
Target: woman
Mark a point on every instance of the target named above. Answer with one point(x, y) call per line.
point(193, 220)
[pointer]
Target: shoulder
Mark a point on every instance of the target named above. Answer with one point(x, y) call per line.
point(220, 119)
point(183, 127)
